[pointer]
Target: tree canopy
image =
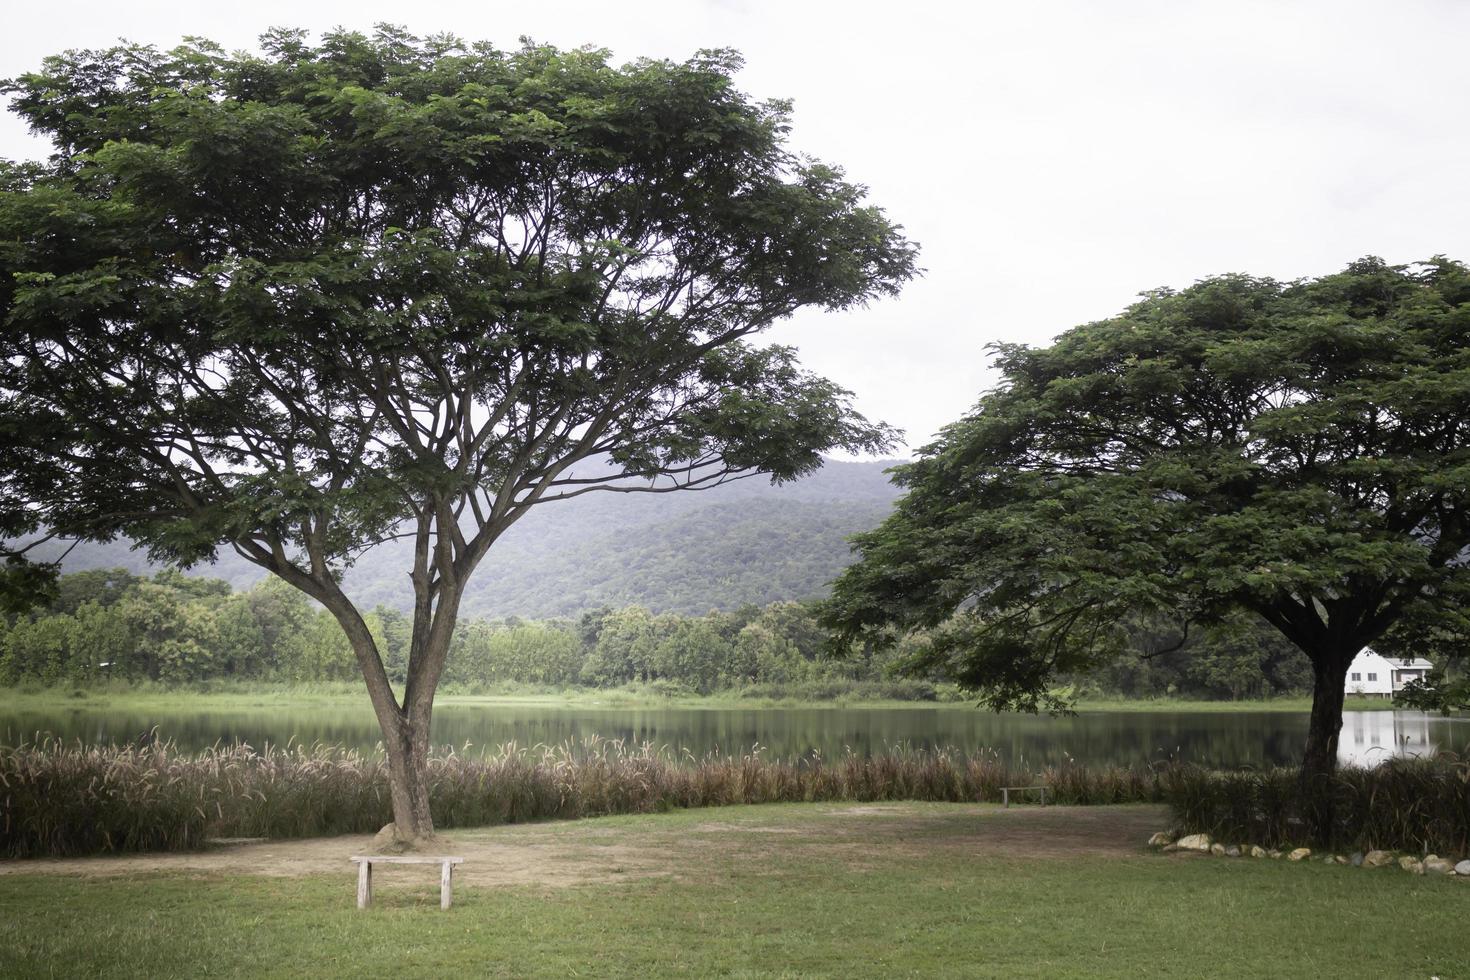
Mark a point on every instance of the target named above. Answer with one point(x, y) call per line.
point(297, 302)
point(1299, 450)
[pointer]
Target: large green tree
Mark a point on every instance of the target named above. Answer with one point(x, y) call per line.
point(1298, 450)
point(297, 302)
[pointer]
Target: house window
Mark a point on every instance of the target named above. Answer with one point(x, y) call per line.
point(1357, 677)
point(1373, 677)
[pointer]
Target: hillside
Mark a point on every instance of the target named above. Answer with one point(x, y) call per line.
point(686, 552)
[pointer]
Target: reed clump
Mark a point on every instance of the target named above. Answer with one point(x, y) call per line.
point(62, 800)
point(1415, 805)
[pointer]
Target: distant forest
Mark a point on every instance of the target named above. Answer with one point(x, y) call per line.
point(113, 626)
point(110, 626)
point(744, 543)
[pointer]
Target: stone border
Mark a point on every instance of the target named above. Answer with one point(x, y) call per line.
point(1430, 864)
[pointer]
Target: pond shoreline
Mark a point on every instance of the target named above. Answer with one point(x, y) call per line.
point(1216, 734)
point(351, 694)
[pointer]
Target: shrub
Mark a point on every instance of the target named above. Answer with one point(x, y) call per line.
point(839, 689)
point(665, 688)
point(1419, 805)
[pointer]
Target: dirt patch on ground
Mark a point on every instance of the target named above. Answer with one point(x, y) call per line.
point(868, 834)
point(1049, 832)
point(582, 852)
point(487, 862)
point(715, 827)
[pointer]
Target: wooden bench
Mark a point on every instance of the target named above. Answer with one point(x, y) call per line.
point(365, 864)
point(1006, 791)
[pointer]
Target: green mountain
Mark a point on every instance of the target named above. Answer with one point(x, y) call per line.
point(686, 552)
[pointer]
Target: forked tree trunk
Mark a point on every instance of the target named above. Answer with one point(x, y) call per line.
point(1319, 762)
point(405, 728)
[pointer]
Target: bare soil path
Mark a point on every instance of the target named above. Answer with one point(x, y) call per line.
point(683, 844)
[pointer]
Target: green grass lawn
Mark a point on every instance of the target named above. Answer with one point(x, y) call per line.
point(785, 890)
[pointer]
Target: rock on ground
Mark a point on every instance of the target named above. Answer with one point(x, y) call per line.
point(1439, 866)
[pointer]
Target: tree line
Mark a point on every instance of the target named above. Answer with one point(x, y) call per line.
point(173, 629)
point(176, 629)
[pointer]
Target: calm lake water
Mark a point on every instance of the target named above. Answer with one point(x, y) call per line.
point(1125, 738)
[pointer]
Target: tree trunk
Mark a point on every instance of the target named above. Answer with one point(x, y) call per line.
point(405, 729)
point(407, 748)
point(408, 744)
point(1319, 762)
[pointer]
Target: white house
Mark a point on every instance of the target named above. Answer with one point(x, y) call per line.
point(1373, 674)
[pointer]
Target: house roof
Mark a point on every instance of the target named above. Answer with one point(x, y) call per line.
point(1397, 663)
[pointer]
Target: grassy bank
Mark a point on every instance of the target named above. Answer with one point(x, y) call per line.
point(767, 891)
point(224, 694)
point(227, 694)
point(1302, 705)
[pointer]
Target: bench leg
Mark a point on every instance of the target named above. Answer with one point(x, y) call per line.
point(364, 884)
point(1005, 798)
point(446, 885)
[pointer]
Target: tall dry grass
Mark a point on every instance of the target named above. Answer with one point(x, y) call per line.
point(1418, 805)
point(68, 799)
point(58, 799)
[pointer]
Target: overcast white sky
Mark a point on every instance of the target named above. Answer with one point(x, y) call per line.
point(1053, 159)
